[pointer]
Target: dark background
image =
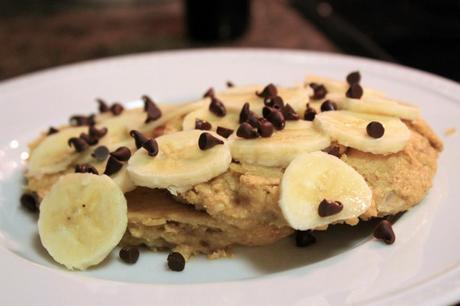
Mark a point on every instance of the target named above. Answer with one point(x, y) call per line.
point(36, 34)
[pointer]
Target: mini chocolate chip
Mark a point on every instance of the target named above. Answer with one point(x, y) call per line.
point(86, 168)
point(209, 93)
point(328, 208)
point(304, 239)
point(202, 125)
point(103, 107)
point(289, 113)
point(116, 109)
point(79, 144)
point(274, 102)
point(319, 91)
point(333, 150)
point(224, 132)
point(244, 113)
point(384, 232)
point(310, 113)
point(264, 127)
point(153, 111)
point(97, 133)
point(276, 118)
point(355, 91)
point(328, 105)
point(230, 84)
point(139, 138)
point(176, 262)
point(217, 107)
point(129, 255)
point(101, 153)
point(245, 130)
point(121, 153)
point(113, 166)
point(353, 77)
point(375, 129)
point(151, 146)
point(52, 130)
point(29, 201)
point(269, 91)
point(207, 141)
point(88, 139)
point(80, 120)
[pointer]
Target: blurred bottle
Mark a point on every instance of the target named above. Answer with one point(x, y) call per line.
point(216, 20)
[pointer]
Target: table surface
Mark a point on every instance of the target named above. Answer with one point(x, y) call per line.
point(72, 34)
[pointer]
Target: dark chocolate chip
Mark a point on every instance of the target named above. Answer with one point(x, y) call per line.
point(310, 113)
point(355, 91)
point(52, 130)
point(151, 146)
point(113, 166)
point(276, 118)
point(375, 129)
point(384, 232)
point(79, 144)
point(139, 138)
point(129, 255)
point(328, 208)
point(176, 262)
point(354, 77)
point(289, 113)
point(153, 111)
point(264, 127)
point(88, 139)
point(333, 150)
point(29, 201)
point(202, 125)
point(328, 105)
point(80, 120)
point(103, 107)
point(217, 107)
point(274, 102)
point(230, 84)
point(97, 133)
point(209, 93)
point(122, 153)
point(224, 132)
point(116, 109)
point(244, 113)
point(207, 141)
point(86, 168)
point(101, 153)
point(319, 91)
point(245, 130)
point(269, 91)
point(304, 239)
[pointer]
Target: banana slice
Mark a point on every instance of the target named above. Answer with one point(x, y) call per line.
point(180, 162)
point(54, 154)
point(229, 121)
point(312, 177)
point(334, 86)
point(349, 129)
point(282, 147)
point(82, 219)
point(376, 105)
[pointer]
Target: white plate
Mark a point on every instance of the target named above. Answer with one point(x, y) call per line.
point(345, 267)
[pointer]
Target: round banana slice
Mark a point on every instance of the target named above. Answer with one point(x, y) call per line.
point(282, 147)
point(54, 154)
point(180, 162)
point(229, 121)
point(313, 177)
point(349, 129)
point(376, 105)
point(82, 219)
